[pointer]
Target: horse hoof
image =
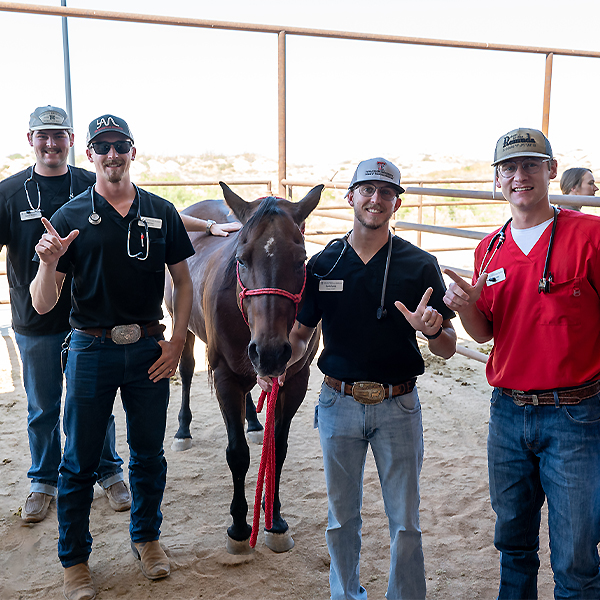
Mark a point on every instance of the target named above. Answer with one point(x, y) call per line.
point(235, 547)
point(256, 437)
point(181, 444)
point(279, 542)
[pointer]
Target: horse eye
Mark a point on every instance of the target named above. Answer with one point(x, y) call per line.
point(240, 262)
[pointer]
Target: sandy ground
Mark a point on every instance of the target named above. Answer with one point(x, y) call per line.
point(456, 517)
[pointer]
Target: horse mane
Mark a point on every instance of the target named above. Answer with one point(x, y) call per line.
point(269, 207)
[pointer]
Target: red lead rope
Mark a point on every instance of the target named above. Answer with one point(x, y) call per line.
point(266, 472)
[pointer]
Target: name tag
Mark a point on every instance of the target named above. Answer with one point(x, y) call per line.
point(151, 222)
point(331, 285)
point(495, 277)
point(28, 215)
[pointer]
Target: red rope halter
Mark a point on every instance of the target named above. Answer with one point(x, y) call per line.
point(295, 298)
point(266, 471)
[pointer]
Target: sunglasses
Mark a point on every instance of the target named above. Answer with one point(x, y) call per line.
point(103, 148)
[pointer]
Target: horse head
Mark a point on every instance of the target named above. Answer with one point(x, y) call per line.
point(270, 259)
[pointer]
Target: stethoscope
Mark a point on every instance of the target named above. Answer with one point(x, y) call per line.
point(500, 237)
point(96, 219)
point(39, 194)
point(381, 311)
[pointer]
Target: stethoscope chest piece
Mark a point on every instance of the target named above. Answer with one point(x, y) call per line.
point(95, 218)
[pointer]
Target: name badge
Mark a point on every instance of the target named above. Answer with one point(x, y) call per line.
point(28, 215)
point(495, 277)
point(151, 222)
point(331, 285)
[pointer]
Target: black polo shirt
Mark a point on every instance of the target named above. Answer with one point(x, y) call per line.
point(109, 287)
point(357, 345)
point(20, 237)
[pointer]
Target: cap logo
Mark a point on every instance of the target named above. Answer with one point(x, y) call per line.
point(516, 139)
point(51, 117)
point(110, 122)
point(381, 165)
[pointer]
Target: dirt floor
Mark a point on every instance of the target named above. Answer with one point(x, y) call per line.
point(456, 517)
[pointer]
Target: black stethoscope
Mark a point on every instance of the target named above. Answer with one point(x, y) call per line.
point(96, 219)
point(381, 311)
point(39, 194)
point(500, 237)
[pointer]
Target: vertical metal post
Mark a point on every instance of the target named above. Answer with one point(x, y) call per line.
point(281, 121)
point(547, 88)
point(67, 67)
point(420, 216)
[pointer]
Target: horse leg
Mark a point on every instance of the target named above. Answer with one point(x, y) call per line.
point(231, 401)
point(255, 429)
point(278, 538)
point(183, 437)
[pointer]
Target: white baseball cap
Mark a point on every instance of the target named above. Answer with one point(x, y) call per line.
point(377, 169)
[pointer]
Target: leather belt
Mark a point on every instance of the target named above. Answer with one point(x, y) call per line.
point(370, 392)
point(126, 334)
point(555, 397)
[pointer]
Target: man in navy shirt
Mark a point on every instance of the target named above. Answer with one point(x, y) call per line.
point(25, 198)
point(117, 239)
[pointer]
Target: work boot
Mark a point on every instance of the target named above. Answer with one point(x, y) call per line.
point(36, 507)
point(78, 583)
point(118, 496)
point(154, 561)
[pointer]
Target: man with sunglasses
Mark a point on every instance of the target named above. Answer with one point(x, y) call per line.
point(25, 198)
point(364, 289)
point(536, 292)
point(117, 239)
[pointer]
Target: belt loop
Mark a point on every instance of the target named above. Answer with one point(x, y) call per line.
point(343, 388)
point(556, 399)
point(390, 390)
point(103, 336)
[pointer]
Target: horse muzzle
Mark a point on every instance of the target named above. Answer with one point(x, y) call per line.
point(269, 359)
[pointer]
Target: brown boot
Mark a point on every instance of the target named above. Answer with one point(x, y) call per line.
point(78, 583)
point(154, 561)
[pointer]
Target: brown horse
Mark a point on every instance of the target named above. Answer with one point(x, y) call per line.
point(248, 334)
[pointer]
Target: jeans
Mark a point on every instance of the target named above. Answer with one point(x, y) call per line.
point(394, 430)
point(96, 369)
point(43, 382)
point(537, 453)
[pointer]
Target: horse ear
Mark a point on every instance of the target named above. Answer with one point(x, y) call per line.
point(308, 204)
point(241, 209)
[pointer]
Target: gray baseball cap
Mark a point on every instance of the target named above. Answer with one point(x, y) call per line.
point(49, 117)
point(377, 169)
point(107, 124)
point(522, 142)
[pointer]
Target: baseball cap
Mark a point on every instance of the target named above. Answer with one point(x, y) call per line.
point(106, 124)
point(377, 169)
point(522, 142)
point(49, 117)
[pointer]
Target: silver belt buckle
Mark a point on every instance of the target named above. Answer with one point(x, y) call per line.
point(516, 399)
point(368, 392)
point(126, 334)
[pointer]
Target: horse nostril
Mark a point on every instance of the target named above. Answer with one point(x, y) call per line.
point(253, 353)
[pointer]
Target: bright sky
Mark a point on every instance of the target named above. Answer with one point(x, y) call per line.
point(191, 91)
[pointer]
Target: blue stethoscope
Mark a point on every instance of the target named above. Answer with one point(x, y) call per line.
point(39, 194)
point(96, 219)
point(500, 237)
point(381, 311)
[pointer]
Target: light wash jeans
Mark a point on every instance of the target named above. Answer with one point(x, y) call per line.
point(97, 368)
point(537, 453)
point(43, 382)
point(394, 430)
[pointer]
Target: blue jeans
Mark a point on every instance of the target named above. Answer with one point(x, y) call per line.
point(96, 369)
point(394, 430)
point(537, 453)
point(43, 382)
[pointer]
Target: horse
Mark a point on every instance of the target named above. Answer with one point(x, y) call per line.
point(247, 291)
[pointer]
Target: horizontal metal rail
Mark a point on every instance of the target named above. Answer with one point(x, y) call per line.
point(266, 182)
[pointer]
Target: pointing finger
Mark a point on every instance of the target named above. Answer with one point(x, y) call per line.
point(49, 227)
point(425, 298)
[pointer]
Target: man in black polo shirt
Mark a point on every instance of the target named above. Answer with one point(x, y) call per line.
point(117, 240)
point(25, 198)
point(372, 291)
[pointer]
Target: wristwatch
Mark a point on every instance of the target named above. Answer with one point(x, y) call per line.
point(209, 224)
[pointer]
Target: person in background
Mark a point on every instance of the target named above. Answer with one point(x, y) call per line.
point(536, 292)
point(25, 198)
point(117, 240)
point(578, 181)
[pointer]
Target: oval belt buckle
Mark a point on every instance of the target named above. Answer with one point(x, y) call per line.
point(368, 392)
point(126, 334)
